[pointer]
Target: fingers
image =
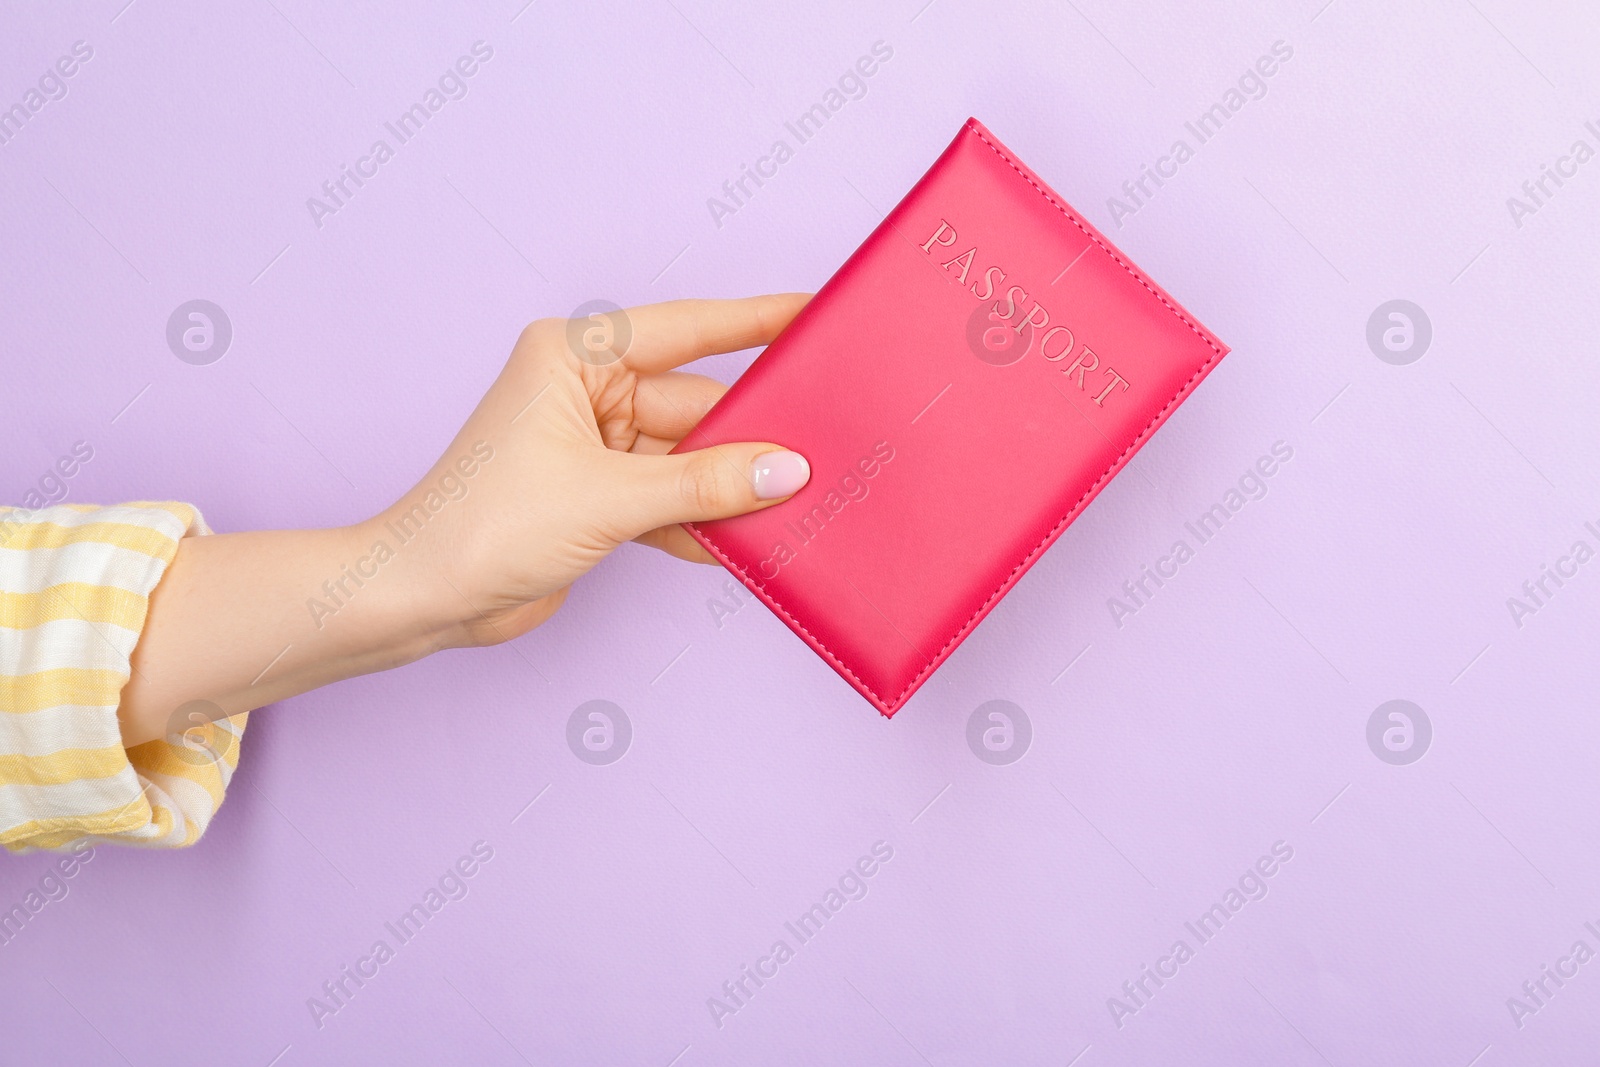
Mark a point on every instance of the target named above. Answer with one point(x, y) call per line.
point(676, 541)
point(670, 405)
point(671, 334)
point(711, 483)
point(645, 445)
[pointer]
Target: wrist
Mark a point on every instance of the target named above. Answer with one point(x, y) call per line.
point(394, 589)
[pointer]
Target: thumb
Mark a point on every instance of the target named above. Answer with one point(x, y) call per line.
point(711, 483)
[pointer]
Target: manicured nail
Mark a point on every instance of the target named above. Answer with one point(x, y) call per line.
point(778, 474)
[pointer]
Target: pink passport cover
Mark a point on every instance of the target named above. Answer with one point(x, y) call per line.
point(963, 386)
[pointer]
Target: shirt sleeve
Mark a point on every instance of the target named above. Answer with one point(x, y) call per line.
point(75, 583)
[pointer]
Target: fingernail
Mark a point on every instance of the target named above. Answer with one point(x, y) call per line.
point(778, 474)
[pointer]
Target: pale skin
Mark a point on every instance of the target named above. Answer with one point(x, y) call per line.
point(579, 466)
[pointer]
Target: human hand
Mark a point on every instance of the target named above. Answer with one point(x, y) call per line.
point(564, 459)
point(578, 427)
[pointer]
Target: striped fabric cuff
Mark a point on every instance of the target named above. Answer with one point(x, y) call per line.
point(75, 583)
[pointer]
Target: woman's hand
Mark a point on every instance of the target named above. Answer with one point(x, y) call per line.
point(578, 426)
point(564, 459)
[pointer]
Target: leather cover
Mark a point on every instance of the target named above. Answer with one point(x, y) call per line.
point(965, 384)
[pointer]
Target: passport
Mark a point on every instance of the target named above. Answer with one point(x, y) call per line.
point(963, 387)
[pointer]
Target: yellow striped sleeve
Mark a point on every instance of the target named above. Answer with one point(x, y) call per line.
point(75, 583)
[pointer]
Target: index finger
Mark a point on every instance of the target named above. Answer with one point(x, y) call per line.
point(675, 332)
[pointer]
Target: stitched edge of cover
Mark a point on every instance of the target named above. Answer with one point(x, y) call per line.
point(838, 664)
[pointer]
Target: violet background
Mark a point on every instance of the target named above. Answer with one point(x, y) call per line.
point(1228, 714)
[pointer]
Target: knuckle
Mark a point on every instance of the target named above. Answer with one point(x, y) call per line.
point(705, 485)
point(541, 331)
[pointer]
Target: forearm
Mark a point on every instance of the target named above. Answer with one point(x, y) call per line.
point(247, 619)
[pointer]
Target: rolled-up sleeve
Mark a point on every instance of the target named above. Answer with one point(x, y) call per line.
point(75, 583)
